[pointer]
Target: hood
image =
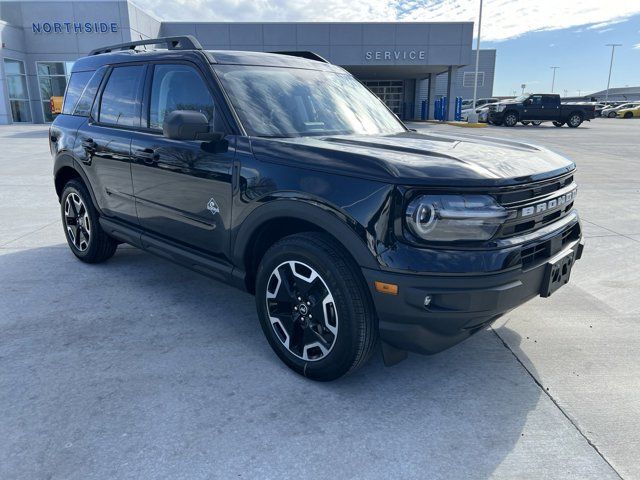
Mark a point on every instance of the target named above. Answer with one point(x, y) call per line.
point(412, 158)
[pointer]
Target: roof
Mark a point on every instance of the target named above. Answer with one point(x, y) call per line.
point(222, 57)
point(617, 91)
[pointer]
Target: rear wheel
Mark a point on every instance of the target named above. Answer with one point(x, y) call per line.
point(525, 122)
point(510, 119)
point(84, 234)
point(314, 307)
point(558, 124)
point(536, 123)
point(574, 120)
point(612, 115)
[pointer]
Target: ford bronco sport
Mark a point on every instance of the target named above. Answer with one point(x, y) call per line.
point(281, 174)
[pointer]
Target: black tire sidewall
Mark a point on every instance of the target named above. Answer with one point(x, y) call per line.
point(341, 357)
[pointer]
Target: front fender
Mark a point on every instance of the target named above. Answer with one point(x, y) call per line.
point(345, 229)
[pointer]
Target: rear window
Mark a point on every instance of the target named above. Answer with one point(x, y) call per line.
point(121, 98)
point(76, 85)
point(85, 102)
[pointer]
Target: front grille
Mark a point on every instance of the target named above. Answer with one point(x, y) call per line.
point(534, 206)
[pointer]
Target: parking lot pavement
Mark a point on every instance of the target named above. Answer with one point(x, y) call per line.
point(137, 368)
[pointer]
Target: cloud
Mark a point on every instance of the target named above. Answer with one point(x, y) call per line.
point(502, 19)
point(636, 46)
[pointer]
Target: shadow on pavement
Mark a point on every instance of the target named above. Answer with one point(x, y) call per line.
point(139, 368)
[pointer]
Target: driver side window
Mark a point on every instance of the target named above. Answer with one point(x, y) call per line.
point(179, 87)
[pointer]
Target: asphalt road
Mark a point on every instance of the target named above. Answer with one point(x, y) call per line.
point(137, 368)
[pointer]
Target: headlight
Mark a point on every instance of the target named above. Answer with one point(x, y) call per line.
point(447, 218)
point(500, 108)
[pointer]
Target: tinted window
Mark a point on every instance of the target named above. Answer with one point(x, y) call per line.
point(536, 100)
point(120, 103)
point(550, 101)
point(178, 87)
point(83, 107)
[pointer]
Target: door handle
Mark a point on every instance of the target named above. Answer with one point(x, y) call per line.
point(148, 155)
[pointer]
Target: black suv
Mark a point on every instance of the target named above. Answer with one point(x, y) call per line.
point(281, 174)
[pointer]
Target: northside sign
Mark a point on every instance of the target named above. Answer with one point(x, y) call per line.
point(74, 27)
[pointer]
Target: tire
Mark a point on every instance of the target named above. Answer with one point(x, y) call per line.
point(313, 269)
point(510, 119)
point(82, 229)
point(525, 122)
point(575, 119)
point(611, 114)
point(558, 124)
point(628, 115)
point(536, 123)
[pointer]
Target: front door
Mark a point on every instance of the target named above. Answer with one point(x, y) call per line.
point(104, 142)
point(183, 193)
point(534, 110)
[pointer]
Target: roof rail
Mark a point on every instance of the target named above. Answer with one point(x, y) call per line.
point(183, 42)
point(304, 54)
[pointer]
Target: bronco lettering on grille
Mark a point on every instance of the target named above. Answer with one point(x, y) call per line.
point(549, 205)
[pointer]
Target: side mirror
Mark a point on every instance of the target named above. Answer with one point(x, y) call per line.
point(185, 125)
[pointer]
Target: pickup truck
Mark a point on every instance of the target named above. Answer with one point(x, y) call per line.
point(539, 107)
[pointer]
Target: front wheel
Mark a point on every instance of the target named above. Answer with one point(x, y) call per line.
point(536, 123)
point(510, 119)
point(612, 115)
point(84, 234)
point(525, 122)
point(558, 124)
point(628, 115)
point(314, 307)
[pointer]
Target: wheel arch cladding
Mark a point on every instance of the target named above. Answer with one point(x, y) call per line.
point(273, 221)
point(65, 169)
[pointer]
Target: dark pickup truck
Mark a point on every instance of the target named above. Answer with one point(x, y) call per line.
point(539, 107)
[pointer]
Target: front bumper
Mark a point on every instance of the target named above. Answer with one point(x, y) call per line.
point(495, 117)
point(460, 304)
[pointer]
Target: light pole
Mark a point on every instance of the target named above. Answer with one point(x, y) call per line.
point(475, 83)
point(553, 82)
point(613, 49)
point(524, 85)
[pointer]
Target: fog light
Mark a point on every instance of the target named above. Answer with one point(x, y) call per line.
point(427, 301)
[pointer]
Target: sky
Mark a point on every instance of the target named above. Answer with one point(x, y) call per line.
point(529, 35)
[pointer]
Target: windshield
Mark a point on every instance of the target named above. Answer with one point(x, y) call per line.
point(287, 102)
point(521, 98)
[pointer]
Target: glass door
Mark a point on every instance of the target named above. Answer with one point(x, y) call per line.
point(390, 92)
point(52, 79)
point(18, 92)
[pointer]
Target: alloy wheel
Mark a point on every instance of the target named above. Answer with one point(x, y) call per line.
point(77, 222)
point(302, 310)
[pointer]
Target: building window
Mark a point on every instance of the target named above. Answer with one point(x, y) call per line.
point(18, 92)
point(467, 79)
point(52, 80)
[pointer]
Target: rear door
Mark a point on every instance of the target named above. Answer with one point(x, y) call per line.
point(550, 107)
point(183, 193)
point(104, 141)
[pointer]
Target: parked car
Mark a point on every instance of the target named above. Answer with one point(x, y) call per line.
point(629, 112)
point(543, 107)
point(281, 174)
point(612, 112)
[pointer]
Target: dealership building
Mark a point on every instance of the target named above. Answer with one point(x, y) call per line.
point(403, 63)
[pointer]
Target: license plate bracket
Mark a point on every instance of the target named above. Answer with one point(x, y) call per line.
point(557, 273)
